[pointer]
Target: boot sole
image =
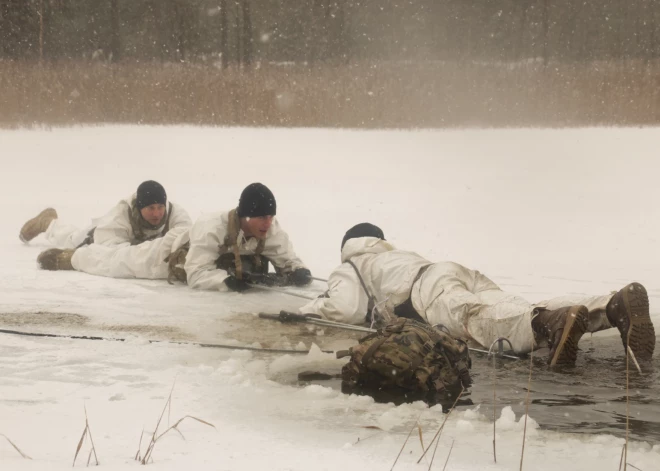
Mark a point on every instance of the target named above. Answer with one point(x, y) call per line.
point(574, 329)
point(48, 212)
point(56, 259)
point(641, 334)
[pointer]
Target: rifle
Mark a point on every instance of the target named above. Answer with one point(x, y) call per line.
point(288, 317)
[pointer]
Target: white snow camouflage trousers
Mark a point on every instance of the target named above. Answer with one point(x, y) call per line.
point(65, 236)
point(470, 305)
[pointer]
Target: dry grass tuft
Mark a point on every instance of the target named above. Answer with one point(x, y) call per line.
point(87, 431)
point(494, 407)
point(529, 390)
point(448, 455)
point(625, 448)
point(155, 436)
point(438, 433)
point(15, 447)
point(363, 95)
point(416, 424)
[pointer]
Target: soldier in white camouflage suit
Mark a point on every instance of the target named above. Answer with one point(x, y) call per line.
point(469, 305)
point(131, 241)
point(230, 250)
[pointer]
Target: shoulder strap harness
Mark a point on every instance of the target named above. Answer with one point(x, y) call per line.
point(231, 242)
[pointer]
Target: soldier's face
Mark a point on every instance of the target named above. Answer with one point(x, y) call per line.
point(257, 226)
point(153, 214)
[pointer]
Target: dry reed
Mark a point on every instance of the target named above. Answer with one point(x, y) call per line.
point(438, 433)
point(86, 432)
point(529, 389)
point(364, 95)
point(15, 447)
point(155, 436)
point(416, 424)
point(448, 455)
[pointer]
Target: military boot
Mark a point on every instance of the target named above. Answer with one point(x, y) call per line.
point(37, 224)
point(55, 259)
point(562, 328)
point(628, 311)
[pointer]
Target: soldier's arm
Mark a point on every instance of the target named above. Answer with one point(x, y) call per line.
point(179, 217)
point(115, 227)
point(280, 251)
point(345, 300)
point(206, 236)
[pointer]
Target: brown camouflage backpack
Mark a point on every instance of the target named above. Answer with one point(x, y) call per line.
point(410, 355)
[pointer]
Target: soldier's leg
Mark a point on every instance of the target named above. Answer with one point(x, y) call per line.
point(37, 225)
point(471, 306)
point(626, 309)
point(65, 236)
point(596, 305)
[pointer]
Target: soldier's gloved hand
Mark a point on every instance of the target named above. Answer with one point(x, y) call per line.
point(300, 277)
point(312, 316)
point(237, 285)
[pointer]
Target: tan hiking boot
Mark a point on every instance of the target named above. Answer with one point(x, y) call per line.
point(55, 259)
point(628, 311)
point(562, 328)
point(37, 224)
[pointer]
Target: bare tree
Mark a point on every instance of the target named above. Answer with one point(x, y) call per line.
point(115, 39)
point(545, 22)
point(224, 51)
point(247, 36)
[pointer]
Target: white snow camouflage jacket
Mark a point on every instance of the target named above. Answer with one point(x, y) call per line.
point(388, 273)
point(112, 254)
point(207, 235)
point(115, 227)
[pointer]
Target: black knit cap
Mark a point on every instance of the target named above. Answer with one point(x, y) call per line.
point(150, 192)
point(256, 200)
point(363, 229)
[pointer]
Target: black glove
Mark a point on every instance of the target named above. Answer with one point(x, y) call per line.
point(300, 277)
point(237, 285)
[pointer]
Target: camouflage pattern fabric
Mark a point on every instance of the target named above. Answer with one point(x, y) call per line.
point(411, 355)
point(175, 264)
point(177, 260)
point(231, 245)
point(227, 262)
point(139, 225)
point(229, 257)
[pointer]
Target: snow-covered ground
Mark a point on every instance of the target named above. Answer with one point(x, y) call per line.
point(542, 212)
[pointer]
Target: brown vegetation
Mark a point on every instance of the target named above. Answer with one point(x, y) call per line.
point(368, 95)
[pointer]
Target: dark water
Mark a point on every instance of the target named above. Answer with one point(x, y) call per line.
point(589, 397)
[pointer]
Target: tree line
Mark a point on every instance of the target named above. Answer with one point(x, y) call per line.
point(246, 32)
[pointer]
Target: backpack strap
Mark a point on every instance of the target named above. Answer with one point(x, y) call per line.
point(372, 349)
point(231, 242)
point(167, 221)
point(395, 328)
point(257, 253)
point(372, 300)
